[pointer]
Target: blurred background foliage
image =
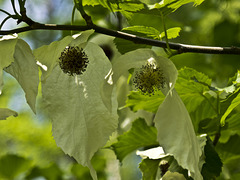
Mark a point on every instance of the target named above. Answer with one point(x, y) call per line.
point(27, 148)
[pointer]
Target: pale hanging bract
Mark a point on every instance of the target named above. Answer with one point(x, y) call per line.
point(17, 59)
point(175, 130)
point(73, 74)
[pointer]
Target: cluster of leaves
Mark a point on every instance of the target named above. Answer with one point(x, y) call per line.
point(194, 128)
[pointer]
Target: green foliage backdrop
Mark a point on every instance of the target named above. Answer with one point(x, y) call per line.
point(151, 89)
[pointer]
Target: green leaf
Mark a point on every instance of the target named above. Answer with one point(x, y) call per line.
point(5, 113)
point(213, 164)
point(193, 87)
point(173, 175)
point(24, 69)
point(229, 154)
point(125, 46)
point(235, 102)
point(146, 31)
point(176, 134)
point(12, 165)
point(140, 135)
point(149, 168)
point(77, 103)
point(232, 127)
point(171, 33)
point(53, 172)
point(7, 49)
point(90, 2)
point(229, 150)
point(137, 101)
point(168, 6)
point(99, 164)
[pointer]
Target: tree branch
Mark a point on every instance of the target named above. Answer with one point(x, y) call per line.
point(180, 48)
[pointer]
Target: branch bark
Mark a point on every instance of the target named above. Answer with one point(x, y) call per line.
point(180, 48)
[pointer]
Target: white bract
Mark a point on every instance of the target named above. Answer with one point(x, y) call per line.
point(17, 59)
point(83, 114)
point(175, 130)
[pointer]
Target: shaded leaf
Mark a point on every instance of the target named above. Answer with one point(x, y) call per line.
point(213, 164)
point(5, 113)
point(173, 175)
point(24, 69)
point(137, 101)
point(140, 135)
point(12, 165)
point(125, 46)
point(53, 172)
point(149, 168)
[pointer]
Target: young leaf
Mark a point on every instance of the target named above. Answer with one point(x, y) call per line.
point(168, 6)
point(82, 119)
point(146, 31)
point(24, 69)
point(140, 135)
point(7, 49)
point(235, 102)
point(5, 113)
point(171, 33)
point(125, 46)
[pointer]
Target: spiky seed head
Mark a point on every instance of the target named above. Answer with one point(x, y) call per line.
point(73, 60)
point(149, 79)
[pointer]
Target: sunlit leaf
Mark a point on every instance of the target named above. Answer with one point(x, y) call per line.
point(146, 31)
point(171, 33)
point(235, 102)
point(168, 6)
point(5, 113)
point(140, 135)
point(24, 69)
